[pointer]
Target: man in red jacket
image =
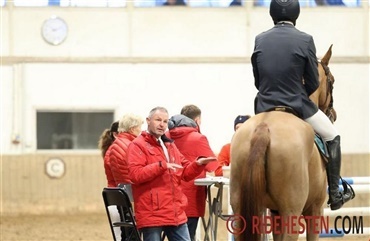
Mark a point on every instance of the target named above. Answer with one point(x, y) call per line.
point(184, 129)
point(156, 169)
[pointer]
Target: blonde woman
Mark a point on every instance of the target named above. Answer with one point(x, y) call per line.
point(129, 128)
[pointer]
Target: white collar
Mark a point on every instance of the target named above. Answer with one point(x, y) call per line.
point(285, 22)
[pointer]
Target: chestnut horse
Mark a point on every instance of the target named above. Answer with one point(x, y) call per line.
point(276, 165)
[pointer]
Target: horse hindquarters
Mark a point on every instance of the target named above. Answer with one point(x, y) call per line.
point(293, 177)
point(250, 180)
point(275, 166)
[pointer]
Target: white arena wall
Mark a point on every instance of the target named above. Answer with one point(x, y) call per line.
point(133, 59)
point(222, 91)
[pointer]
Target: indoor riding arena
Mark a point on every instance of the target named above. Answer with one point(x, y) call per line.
point(69, 68)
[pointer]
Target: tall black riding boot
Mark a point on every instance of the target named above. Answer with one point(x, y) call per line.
point(336, 198)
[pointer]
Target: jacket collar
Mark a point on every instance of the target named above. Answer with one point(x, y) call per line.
point(127, 135)
point(181, 120)
point(285, 22)
point(153, 140)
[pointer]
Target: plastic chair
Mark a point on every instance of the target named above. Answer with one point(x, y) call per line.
point(117, 196)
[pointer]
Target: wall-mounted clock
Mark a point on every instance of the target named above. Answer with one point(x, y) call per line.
point(54, 30)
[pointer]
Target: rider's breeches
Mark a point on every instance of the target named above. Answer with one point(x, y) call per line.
point(322, 125)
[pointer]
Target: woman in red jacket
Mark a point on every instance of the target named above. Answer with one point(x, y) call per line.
point(128, 129)
point(113, 144)
point(105, 142)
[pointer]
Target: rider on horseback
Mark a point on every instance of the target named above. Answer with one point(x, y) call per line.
point(282, 57)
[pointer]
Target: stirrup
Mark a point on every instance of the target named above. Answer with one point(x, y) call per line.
point(345, 185)
point(346, 195)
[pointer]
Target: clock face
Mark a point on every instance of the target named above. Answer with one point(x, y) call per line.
point(54, 30)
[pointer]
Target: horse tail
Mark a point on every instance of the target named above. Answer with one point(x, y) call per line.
point(254, 183)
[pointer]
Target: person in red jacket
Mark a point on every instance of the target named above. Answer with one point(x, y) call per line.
point(223, 157)
point(156, 169)
point(128, 129)
point(184, 129)
point(105, 141)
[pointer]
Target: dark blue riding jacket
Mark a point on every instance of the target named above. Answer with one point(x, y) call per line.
point(285, 70)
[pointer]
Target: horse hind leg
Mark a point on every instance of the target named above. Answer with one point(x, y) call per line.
point(313, 220)
point(285, 227)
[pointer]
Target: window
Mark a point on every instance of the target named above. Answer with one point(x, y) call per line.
point(69, 3)
point(71, 130)
point(190, 3)
point(32, 3)
point(155, 3)
point(92, 3)
point(211, 3)
point(314, 3)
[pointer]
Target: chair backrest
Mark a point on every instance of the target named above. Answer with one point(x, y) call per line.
point(127, 187)
point(117, 196)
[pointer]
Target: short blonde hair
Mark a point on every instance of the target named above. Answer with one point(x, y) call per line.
point(128, 121)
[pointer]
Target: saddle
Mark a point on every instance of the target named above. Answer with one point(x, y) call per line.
point(322, 147)
point(286, 109)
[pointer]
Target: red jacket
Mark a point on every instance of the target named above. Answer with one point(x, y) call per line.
point(223, 159)
point(108, 169)
point(118, 157)
point(192, 144)
point(159, 200)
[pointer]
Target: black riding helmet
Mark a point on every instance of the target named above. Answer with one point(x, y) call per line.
point(287, 10)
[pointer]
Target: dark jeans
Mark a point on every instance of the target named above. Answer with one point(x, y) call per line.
point(192, 226)
point(173, 233)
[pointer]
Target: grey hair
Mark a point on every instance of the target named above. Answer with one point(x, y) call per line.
point(159, 108)
point(128, 121)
